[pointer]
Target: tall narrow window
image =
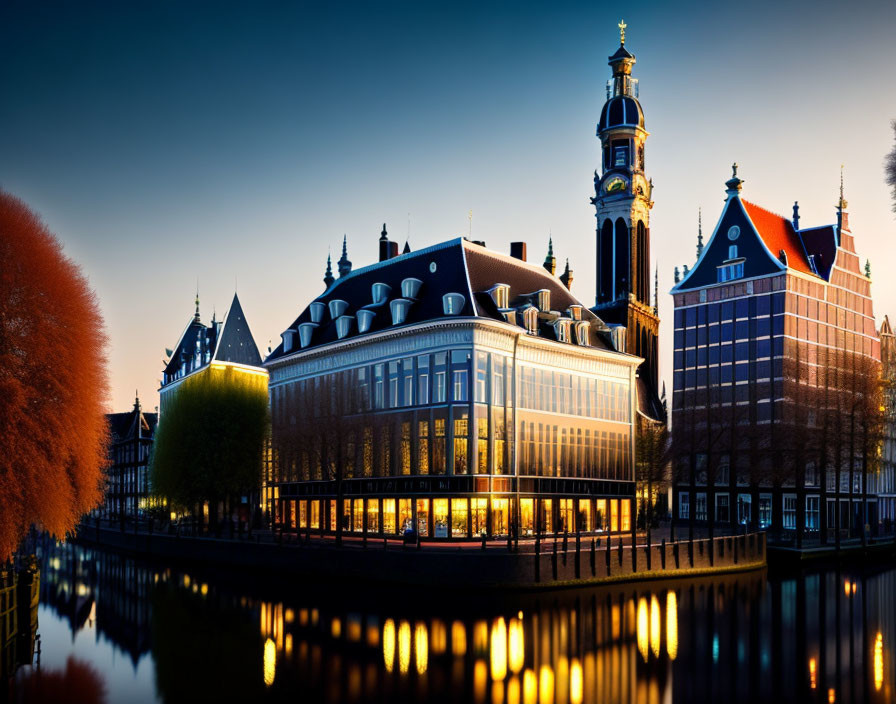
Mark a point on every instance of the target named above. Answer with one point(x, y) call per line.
point(482, 444)
point(423, 447)
point(461, 423)
point(439, 460)
point(405, 447)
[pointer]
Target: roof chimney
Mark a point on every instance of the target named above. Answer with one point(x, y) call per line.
point(518, 250)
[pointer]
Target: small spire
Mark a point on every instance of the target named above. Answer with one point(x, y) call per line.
point(407, 248)
point(677, 275)
point(734, 184)
point(622, 25)
point(656, 290)
point(567, 276)
point(684, 271)
point(842, 204)
point(796, 215)
point(867, 268)
point(699, 232)
point(196, 314)
point(328, 277)
point(550, 261)
point(344, 265)
point(384, 235)
point(136, 400)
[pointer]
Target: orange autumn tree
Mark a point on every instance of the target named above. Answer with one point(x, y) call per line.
point(53, 384)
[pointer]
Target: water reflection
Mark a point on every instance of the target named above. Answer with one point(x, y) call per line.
point(820, 637)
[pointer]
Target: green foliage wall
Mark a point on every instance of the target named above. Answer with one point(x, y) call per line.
point(210, 439)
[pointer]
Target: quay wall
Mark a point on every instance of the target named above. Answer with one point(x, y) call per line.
point(585, 561)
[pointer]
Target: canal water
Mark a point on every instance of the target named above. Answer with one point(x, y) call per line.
point(116, 629)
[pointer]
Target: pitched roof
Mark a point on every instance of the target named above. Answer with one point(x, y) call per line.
point(778, 235)
point(235, 342)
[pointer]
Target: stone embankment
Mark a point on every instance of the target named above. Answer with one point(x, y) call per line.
point(552, 563)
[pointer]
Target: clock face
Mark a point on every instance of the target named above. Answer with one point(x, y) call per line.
point(615, 184)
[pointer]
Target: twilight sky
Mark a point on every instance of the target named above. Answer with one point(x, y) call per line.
point(234, 143)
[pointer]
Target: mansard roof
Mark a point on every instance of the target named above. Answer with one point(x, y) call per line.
point(456, 266)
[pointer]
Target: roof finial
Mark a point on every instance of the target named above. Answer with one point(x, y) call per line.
point(842, 205)
point(656, 290)
point(136, 400)
point(328, 277)
point(734, 184)
point(550, 261)
point(196, 314)
point(677, 275)
point(567, 276)
point(699, 232)
point(384, 235)
point(622, 25)
point(344, 265)
point(867, 268)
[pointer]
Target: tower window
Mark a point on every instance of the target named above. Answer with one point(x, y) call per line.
point(732, 251)
point(620, 156)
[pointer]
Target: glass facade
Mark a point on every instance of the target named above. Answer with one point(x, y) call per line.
point(447, 419)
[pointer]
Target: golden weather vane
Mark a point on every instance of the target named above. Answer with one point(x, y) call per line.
point(622, 25)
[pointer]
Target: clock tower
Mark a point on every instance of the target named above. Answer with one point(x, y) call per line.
point(623, 199)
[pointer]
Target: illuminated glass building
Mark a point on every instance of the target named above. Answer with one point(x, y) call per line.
point(774, 338)
point(453, 390)
point(887, 484)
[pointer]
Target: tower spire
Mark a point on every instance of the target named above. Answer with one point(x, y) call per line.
point(622, 25)
point(699, 232)
point(328, 276)
point(196, 314)
point(344, 265)
point(567, 276)
point(656, 290)
point(550, 261)
point(734, 185)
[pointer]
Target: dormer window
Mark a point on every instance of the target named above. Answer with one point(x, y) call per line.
point(561, 329)
point(530, 318)
point(500, 294)
point(582, 334)
point(543, 298)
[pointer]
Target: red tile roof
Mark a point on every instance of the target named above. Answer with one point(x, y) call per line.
point(778, 234)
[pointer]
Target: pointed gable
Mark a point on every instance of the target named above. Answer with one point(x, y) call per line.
point(235, 343)
point(778, 235)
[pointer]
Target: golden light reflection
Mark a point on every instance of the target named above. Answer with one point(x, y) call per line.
point(643, 642)
point(438, 637)
point(336, 628)
point(497, 693)
point(458, 639)
point(289, 616)
point(576, 689)
point(655, 626)
point(287, 644)
point(353, 628)
point(421, 647)
point(404, 647)
point(546, 685)
point(530, 687)
point(672, 625)
point(878, 659)
point(204, 589)
point(615, 622)
point(832, 696)
point(373, 635)
point(480, 637)
point(813, 666)
point(498, 651)
point(561, 679)
point(303, 617)
point(513, 690)
point(389, 644)
point(270, 662)
point(516, 645)
point(480, 678)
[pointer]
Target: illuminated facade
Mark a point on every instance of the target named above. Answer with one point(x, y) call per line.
point(455, 391)
point(127, 480)
point(775, 346)
point(222, 347)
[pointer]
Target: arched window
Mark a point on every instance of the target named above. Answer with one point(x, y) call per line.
point(622, 260)
point(605, 265)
